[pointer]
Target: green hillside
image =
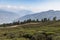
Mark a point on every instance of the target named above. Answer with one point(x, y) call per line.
point(32, 31)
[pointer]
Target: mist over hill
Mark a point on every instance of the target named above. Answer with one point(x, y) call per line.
point(8, 16)
point(45, 14)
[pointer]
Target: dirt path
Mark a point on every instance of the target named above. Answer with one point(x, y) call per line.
point(19, 25)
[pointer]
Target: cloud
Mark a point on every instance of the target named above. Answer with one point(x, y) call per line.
point(11, 7)
point(46, 6)
point(35, 8)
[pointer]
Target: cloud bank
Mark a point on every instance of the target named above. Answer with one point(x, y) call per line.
point(38, 7)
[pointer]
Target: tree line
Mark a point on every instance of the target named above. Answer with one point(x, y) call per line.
point(28, 21)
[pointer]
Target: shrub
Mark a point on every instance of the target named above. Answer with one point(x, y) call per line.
point(10, 36)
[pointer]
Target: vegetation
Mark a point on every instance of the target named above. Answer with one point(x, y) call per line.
point(45, 29)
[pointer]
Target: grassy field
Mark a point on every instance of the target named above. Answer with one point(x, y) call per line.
point(17, 33)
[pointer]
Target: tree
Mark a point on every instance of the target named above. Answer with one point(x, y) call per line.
point(42, 20)
point(33, 21)
point(54, 19)
point(37, 20)
point(16, 23)
point(45, 19)
point(48, 19)
point(29, 20)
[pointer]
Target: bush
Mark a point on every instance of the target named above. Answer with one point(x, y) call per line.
point(42, 36)
point(10, 36)
point(27, 36)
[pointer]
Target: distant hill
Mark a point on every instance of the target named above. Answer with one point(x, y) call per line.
point(7, 16)
point(24, 12)
point(45, 14)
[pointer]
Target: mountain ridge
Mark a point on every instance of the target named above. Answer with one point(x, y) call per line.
point(45, 14)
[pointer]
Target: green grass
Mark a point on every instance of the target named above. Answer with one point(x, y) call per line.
point(53, 27)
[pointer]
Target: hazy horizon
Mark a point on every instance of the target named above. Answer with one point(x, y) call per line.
point(29, 5)
point(33, 5)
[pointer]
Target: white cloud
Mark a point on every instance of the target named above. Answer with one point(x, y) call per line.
point(11, 7)
point(46, 6)
point(36, 8)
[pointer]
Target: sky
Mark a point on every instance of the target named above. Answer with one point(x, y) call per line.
point(32, 5)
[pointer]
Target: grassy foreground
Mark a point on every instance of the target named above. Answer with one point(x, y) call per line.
point(32, 31)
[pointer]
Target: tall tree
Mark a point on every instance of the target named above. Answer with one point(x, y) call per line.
point(42, 20)
point(54, 19)
point(37, 20)
point(45, 19)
